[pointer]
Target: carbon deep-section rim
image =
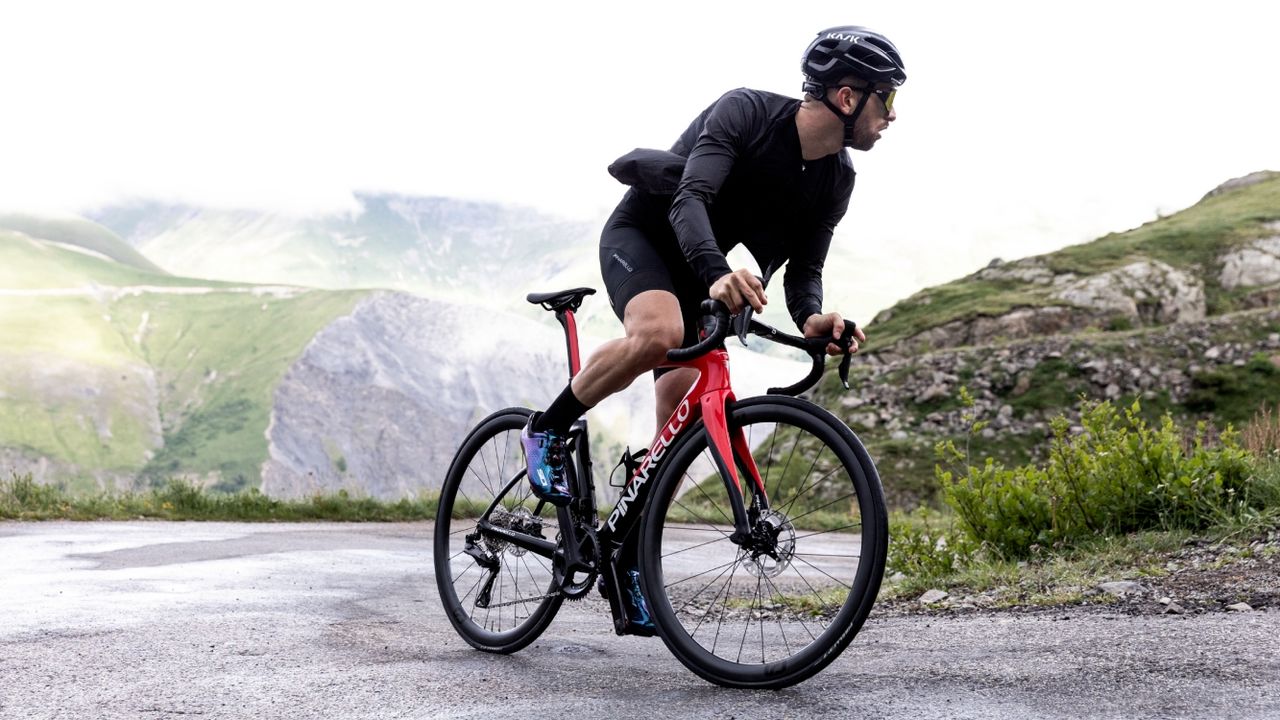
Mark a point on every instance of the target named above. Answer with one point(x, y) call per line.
point(487, 478)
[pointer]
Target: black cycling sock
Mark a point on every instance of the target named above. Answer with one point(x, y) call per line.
point(562, 412)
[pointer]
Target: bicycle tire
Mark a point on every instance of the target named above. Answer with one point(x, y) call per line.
point(490, 466)
point(803, 587)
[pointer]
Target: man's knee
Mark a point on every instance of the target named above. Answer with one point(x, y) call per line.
point(654, 326)
point(652, 341)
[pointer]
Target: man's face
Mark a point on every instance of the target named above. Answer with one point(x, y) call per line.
point(875, 117)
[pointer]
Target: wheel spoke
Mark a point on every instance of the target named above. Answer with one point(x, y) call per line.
point(489, 465)
point(836, 580)
point(823, 507)
point(814, 464)
point(824, 532)
point(707, 590)
point(695, 547)
point(797, 616)
point(704, 572)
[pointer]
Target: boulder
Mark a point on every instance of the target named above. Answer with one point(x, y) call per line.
point(1254, 265)
point(1148, 292)
point(1030, 270)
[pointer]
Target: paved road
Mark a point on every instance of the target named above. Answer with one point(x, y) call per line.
point(225, 620)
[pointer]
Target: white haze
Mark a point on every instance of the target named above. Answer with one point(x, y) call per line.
point(1024, 127)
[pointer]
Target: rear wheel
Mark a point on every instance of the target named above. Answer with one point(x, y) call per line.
point(774, 610)
point(498, 596)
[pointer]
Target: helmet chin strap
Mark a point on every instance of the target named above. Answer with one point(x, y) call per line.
point(849, 120)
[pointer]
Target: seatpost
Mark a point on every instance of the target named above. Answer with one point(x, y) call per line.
point(571, 339)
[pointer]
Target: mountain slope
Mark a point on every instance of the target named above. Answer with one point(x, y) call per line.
point(109, 367)
point(1217, 256)
point(437, 247)
point(1180, 314)
point(74, 232)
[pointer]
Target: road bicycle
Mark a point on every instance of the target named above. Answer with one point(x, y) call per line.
point(758, 525)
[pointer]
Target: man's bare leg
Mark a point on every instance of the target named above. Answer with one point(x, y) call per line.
point(653, 325)
point(669, 390)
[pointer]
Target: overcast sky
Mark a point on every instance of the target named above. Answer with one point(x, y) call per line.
point(1023, 126)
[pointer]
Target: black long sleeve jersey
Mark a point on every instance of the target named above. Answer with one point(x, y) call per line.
point(746, 182)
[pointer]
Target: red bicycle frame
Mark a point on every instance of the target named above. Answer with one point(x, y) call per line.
point(708, 399)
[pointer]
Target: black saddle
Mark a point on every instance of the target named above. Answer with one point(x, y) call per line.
point(562, 300)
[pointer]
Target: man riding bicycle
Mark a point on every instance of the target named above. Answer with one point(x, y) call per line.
point(759, 169)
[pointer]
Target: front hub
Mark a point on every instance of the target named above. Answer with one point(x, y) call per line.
point(772, 544)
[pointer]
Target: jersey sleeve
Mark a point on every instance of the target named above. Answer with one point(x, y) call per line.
point(802, 282)
point(729, 124)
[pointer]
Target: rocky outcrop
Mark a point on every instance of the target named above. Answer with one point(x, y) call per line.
point(1143, 293)
point(1244, 181)
point(1254, 265)
point(895, 395)
point(1014, 325)
point(1028, 270)
point(1147, 292)
point(381, 399)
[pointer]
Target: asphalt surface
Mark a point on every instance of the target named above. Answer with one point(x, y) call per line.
point(161, 620)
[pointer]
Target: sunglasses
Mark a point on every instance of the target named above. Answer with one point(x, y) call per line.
point(885, 94)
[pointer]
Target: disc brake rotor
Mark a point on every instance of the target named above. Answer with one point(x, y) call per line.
point(773, 547)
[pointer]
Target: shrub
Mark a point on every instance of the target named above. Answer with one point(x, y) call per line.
point(1262, 435)
point(923, 545)
point(1112, 474)
point(20, 492)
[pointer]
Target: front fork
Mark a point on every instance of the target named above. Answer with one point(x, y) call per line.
point(727, 443)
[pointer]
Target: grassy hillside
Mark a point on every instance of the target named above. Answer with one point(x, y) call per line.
point(1192, 240)
point(80, 233)
point(218, 357)
point(1217, 370)
point(111, 369)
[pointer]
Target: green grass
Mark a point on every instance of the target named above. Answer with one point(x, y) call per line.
point(84, 374)
point(1062, 577)
point(23, 499)
point(1194, 237)
point(219, 358)
point(30, 264)
point(1230, 394)
point(1191, 240)
point(81, 233)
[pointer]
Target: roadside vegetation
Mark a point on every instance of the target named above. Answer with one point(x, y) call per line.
point(1116, 498)
point(21, 498)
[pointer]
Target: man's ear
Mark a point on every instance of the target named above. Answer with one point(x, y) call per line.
point(846, 99)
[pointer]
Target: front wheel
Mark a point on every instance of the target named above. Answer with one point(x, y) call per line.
point(772, 611)
point(498, 596)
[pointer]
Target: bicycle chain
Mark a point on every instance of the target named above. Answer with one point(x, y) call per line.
point(537, 598)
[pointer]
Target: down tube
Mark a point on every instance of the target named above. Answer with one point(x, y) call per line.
point(625, 513)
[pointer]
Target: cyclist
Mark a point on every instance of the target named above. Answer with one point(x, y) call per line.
point(758, 169)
